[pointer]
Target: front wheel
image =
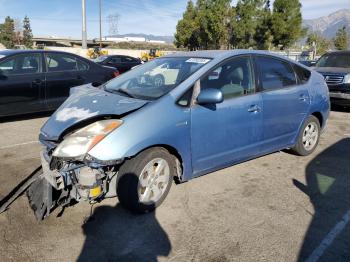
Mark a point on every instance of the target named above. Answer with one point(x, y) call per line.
point(308, 137)
point(144, 181)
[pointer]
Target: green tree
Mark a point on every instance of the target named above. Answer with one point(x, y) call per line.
point(251, 24)
point(187, 29)
point(204, 25)
point(263, 36)
point(27, 33)
point(213, 18)
point(7, 33)
point(322, 44)
point(286, 23)
point(341, 40)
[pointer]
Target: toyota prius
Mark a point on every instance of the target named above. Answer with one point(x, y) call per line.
point(172, 119)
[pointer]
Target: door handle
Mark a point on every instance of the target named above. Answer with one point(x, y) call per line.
point(36, 82)
point(254, 109)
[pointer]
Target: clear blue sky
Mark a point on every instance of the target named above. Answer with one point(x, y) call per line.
point(159, 17)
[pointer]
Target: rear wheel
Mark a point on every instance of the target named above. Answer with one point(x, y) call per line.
point(145, 180)
point(308, 137)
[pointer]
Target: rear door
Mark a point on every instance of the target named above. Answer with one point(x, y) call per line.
point(63, 71)
point(228, 132)
point(22, 84)
point(285, 102)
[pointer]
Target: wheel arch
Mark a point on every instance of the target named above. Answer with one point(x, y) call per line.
point(174, 152)
point(319, 116)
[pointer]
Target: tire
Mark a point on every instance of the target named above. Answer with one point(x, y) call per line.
point(158, 80)
point(308, 140)
point(141, 187)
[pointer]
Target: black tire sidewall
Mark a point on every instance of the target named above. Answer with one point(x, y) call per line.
point(127, 186)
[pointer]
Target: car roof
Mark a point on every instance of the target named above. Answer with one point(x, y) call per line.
point(7, 52)
point(222, 54)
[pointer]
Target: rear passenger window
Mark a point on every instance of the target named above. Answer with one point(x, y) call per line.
point(275, 73)
point(302, 74)
point(115, 60)
point(82, 66)
point(61, 62)
point(127, 59)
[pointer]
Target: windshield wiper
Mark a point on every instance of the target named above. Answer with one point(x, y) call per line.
point(121, 91)
point(124, 91)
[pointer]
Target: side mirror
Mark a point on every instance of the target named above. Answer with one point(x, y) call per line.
point(96, 84)
point(210, 96)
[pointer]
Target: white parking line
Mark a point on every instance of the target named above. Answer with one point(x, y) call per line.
point(20, 144)
point(328, 240)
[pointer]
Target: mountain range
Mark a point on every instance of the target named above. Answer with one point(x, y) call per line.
point(328, 25)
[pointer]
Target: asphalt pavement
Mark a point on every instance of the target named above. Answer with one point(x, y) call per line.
point(279, 207)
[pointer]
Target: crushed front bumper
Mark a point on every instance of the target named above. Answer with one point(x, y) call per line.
point(65, 182)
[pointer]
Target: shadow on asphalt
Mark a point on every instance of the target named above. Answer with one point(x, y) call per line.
point(25, 117)
point(114, 234)
point(328, 186)
point(342, 109)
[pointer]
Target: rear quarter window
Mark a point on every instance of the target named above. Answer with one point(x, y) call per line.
point(303, 75)
point(82, 66)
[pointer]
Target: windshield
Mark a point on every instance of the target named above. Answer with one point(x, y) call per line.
point(100, 59)
point(155, 78)
point(334, 60)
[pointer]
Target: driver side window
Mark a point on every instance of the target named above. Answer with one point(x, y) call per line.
point(234, 78)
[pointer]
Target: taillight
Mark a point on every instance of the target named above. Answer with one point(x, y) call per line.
point(116, 73)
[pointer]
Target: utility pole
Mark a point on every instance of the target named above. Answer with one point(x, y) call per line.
point(84, 35)
point(100, 7)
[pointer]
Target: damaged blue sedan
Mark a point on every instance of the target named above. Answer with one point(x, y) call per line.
point(175, 118)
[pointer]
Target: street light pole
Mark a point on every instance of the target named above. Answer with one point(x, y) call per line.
point(84, 35)
point(100, 7)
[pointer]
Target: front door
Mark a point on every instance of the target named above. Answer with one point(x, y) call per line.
point(228, 132)
point(285, 102)
point(21, 84)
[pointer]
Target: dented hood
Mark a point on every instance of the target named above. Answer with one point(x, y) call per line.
point(86, 103)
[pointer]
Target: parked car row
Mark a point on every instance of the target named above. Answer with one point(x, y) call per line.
point(38, 80)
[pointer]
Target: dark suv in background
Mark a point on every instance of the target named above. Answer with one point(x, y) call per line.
point(40, 80)
point(335, 68)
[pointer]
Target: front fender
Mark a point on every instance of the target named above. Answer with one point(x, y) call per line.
point(159, 123)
